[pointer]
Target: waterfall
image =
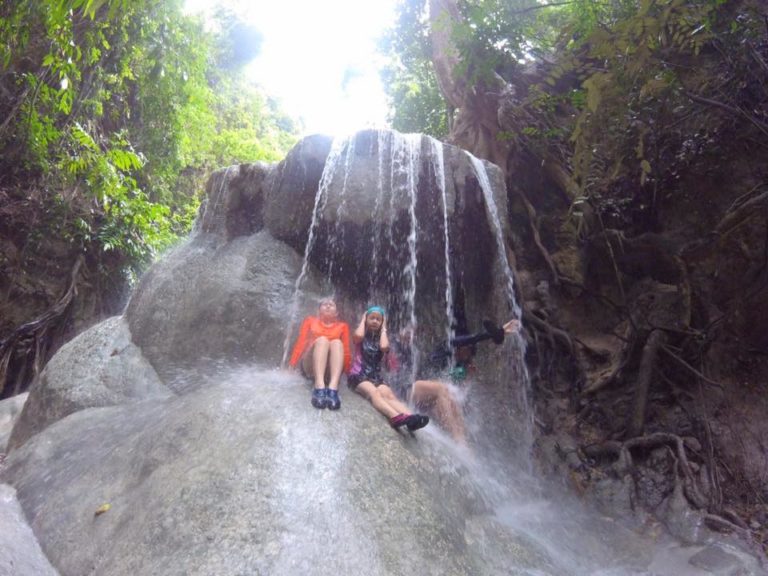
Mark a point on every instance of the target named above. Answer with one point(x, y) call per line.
point(406, 153)
point(516, 364)
point(336, 241)
point(381, 218)
point(211, 209)
point(321, 198)
point(438, 164)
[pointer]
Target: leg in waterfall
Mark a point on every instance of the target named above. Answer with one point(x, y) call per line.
point(336, 357)
point(387, 403)
point(314, 365)
point(435, 397)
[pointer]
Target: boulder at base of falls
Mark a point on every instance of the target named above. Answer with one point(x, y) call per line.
point(101, 367)
point(215, 300)
point(243, 476)
point(20, 554)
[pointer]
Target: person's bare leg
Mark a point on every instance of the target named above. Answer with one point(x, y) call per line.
point(368, 391)
point(336, 356)
point(448, 413)
point(391, 399)
point(315, 361)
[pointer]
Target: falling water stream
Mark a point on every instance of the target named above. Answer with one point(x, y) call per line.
point(576, 540)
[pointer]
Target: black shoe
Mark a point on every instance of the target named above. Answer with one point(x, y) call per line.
point(416, 421)
point(319, 398)
point(496, 333)
point(332, 400)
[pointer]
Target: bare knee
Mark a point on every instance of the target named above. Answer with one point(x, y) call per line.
point(386, 392)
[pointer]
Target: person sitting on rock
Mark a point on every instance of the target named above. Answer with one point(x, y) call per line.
point(432, 393)
point(365, 376)
point(323, 351)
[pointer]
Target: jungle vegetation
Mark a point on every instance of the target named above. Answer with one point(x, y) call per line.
point(112, 115)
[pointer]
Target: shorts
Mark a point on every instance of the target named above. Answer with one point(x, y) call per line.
point(353, 380)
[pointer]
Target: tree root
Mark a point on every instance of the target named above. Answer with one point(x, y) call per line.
point(532, 220)
point(552, 333)
point(636, 420)
point(737, 214)
point(685, 364)
point(622, 450)
point(31, 338)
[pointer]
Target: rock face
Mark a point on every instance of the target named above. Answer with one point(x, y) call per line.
point(101, 367)
point(383, 205)
point(162, 443)
point(246, 477)
point(20, 554)
point(216, 300)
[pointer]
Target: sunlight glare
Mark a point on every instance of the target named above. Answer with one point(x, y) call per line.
point(319, 59)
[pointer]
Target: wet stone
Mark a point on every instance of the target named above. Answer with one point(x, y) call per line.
point(717, 561)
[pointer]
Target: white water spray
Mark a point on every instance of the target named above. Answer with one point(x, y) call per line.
point(438, 164)
point(516, 365)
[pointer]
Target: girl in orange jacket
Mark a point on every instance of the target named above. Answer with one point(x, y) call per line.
point(322, 348)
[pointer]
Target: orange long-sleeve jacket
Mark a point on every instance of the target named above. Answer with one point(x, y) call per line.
point(313, 328)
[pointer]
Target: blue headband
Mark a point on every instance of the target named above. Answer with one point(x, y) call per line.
point(372, 309)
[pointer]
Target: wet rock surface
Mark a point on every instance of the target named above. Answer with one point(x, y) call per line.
point(20, 553)
point(101, 367)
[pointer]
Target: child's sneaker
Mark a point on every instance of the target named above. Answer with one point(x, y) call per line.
point(410, 421)
point(416, 421)
point(332, 400)
point(398, 421)
point(319, 398)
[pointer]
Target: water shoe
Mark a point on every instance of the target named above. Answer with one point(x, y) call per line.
point(319, 398)
point(332, 400)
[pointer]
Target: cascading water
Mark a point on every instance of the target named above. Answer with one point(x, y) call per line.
point(338, 146)
point(438, 164)
point(516, 361)
point(406, 149)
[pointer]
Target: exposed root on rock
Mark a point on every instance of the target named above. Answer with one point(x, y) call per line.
point(24, 351)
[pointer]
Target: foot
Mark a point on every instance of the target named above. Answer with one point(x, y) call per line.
point(319, 398)
point(497, 334)
point(399, 420)
point(410, 421)
point(416, 421)
point(332, 400)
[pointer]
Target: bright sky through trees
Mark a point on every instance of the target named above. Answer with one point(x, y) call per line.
point(319, 58)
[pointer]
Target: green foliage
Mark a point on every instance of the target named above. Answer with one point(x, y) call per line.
point(117, 109)
point(408, 78)
point(620, 92)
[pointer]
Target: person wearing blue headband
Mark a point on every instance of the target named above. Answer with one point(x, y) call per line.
point(365, 375)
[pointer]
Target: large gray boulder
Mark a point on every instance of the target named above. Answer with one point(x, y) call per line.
point(215, 300)
point(100, 367)
point(245, 477)
point(20, 553)
point(240, 475)
point(10, 409)
point(228, 293)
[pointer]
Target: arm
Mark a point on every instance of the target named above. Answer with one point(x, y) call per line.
point(492, 332)
point(383, 337)
point(360, 330)
point(469, 339)
point(301, 342)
